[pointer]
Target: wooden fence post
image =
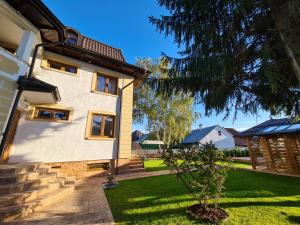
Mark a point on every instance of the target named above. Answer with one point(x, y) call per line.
point(267, 152)
point(251, 153)
point(289, 145)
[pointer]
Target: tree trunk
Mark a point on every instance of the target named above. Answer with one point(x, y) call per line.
point(282, 15)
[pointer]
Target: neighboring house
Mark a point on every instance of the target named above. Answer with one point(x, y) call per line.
point(136, 135)
point(239, 142)
point(83, 116)
point(220, 137)
point(145, 141)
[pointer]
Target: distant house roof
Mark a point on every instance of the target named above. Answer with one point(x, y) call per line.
point(197, 135)
point(239, 141)
point(273, 126)
point(232, 131)
point(136, 135)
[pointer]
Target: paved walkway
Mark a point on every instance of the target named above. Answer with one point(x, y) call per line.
point(87, 205)
point(129, 176)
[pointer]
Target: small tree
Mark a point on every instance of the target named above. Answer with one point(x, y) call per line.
point(167, 118)
point(202, 170)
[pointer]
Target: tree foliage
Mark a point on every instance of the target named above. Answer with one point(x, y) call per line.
point(168, 117)
point(238, 55)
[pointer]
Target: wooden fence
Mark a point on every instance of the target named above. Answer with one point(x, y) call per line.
point(149, 153)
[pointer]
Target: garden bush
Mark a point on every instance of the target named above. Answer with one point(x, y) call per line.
point(202, 170)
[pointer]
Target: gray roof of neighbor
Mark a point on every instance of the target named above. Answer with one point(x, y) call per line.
point(273, 126)
point(197, 135)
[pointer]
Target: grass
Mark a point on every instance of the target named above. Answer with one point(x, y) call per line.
point(157, 164)
point(250, 198)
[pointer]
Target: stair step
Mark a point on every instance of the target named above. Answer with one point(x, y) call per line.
point(137, 170)
point(21, 177)
point(7, 169)
point(135, 162)
point(28, 196)
point(19, 187)
point(17, 211)
point(136, 166)
point(20, 210)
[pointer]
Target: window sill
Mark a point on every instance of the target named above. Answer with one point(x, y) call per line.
point(103, 93)
point(50, 120)
point(61, 71)
point(100, 138)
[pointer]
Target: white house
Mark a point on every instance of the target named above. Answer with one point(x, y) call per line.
point(219, 136)
point(78, 111)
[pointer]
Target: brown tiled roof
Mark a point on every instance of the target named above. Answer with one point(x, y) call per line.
point(232, 131)
point(102, 49)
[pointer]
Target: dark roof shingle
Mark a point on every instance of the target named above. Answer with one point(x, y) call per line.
point(257, 130)
point(103, 49)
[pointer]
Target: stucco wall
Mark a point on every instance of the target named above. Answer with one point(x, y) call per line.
point(223, 141)
point(61, 142)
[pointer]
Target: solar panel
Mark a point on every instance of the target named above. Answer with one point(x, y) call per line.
point(294, 127)
point(283, 127)
point(269, 129)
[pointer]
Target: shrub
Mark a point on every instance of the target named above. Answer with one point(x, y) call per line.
point(202, 170)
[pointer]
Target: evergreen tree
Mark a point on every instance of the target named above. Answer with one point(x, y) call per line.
point(238, 55)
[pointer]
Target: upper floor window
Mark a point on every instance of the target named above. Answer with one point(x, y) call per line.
point(106, 84)
point(100, 126)
point(51, 114)
point(62, 66)
point(72, 37)
point(219, 133)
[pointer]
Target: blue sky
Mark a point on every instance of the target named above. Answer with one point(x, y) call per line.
point(124, 24)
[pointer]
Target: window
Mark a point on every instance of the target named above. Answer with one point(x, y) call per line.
point(106, 84)
point(97, 166)
point(61, 66)
point(51, 114)
point(219, 133)
point(72, 37)
point(100, 126)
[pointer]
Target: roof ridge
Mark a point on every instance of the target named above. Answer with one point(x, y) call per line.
point(118, 49)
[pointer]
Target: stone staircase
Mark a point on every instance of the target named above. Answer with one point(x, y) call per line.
point(26, 188)
point(136, 164)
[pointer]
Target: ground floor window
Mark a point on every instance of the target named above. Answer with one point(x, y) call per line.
point(51, 114)
point(100, 125)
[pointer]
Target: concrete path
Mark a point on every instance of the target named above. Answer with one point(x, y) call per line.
point(88, 205)
point(129, 176)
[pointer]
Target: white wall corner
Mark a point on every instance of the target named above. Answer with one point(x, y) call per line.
point(26, 45)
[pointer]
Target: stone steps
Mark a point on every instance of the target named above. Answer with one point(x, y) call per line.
point(20, 210)
point(26, 188)
point(136, 165)
point(15, 178)
point(9, 169)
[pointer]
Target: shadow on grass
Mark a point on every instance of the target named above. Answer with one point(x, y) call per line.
point(163, 199)
point(290, 203)
point(294, 219)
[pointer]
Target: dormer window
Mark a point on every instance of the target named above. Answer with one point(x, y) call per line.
point(72, 37)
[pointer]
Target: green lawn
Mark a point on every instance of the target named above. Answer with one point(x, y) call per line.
point(250, 198)
point(157, 164)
